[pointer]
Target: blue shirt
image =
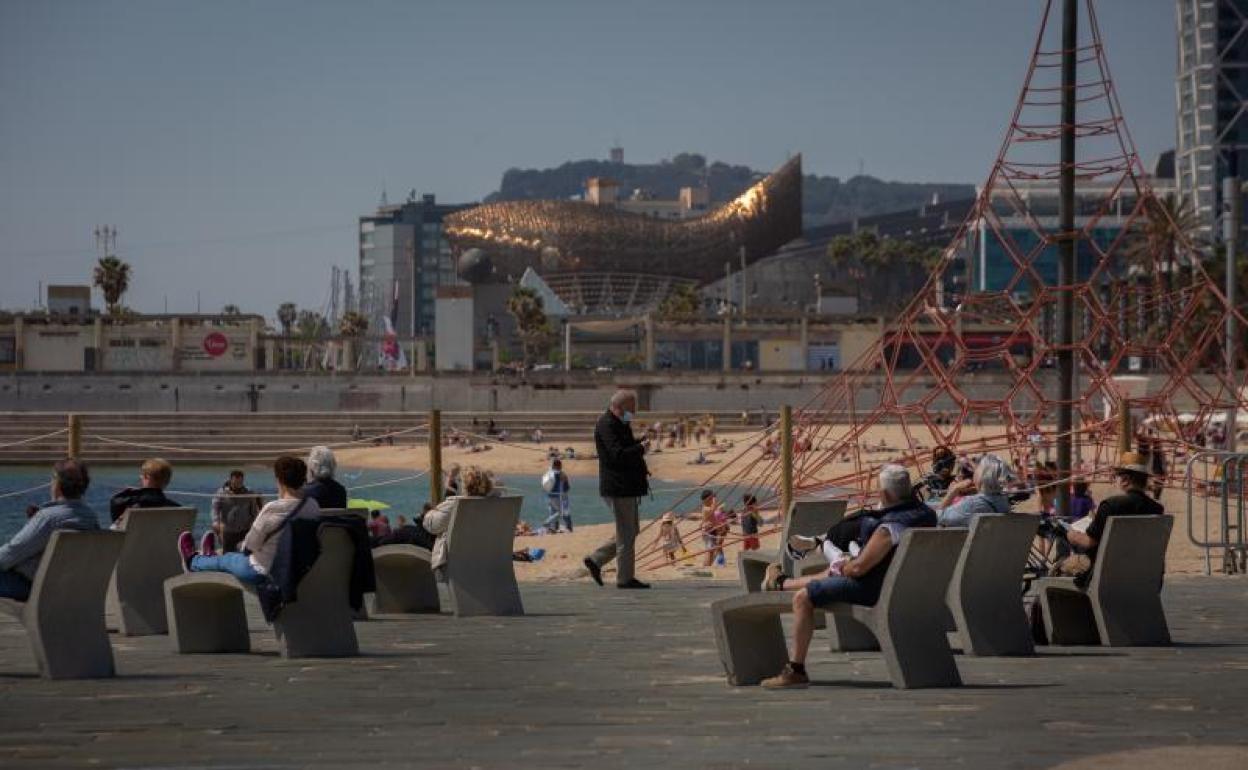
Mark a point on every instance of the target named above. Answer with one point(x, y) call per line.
point(960, 513)
point(22, 553)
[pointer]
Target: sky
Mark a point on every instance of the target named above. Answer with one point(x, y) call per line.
point(234, 144)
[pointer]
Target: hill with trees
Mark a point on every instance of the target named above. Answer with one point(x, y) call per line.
point(825, 199)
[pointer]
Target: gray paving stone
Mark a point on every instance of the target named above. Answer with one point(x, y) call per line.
point(599, 678)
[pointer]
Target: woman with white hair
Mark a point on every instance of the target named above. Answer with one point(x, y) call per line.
point(984, 492)
point(321, 485)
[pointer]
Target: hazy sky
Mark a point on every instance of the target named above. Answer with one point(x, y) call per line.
point(234, 144)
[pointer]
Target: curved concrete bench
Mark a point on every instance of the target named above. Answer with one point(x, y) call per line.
point(907, 620)
point(207, 614)
point(479, 571)
point(64, 616)
point(986, 593)
point(405, 581)
point(148, 558)
point(1122, 604)
point(806, 517)
point(362, 513)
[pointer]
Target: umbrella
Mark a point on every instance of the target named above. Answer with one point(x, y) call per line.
point(372, 505)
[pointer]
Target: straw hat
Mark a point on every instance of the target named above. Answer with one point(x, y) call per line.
point(1133, 462)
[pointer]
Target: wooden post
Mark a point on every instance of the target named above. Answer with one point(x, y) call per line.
point(1124, 426)
point(75, 436)
point(435, 456)
point(786, 461)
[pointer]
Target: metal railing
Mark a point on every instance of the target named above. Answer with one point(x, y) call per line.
point(1216, 479)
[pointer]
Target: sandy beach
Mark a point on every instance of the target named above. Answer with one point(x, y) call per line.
point(565, 551)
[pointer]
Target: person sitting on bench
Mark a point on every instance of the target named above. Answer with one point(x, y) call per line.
point(322, 486)
point(982, 493)
point(19, 558)
point(477, 483)
point(251, 565)
point(1131, 474)
point(861, 578)
point(154, 475)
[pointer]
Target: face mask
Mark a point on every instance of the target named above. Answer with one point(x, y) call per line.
point(626, 418)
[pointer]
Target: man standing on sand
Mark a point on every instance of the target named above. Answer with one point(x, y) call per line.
point(622, 479)
point(234, 509)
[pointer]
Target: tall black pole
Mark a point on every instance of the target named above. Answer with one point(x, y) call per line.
point(1066, 258)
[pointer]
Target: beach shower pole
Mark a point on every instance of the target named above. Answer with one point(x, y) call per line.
point(786, 462)
point(1124, 425)
point(435, 456)
point(1066, 258)
point(75, 435)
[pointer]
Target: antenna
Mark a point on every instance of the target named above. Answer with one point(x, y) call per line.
point(385, 201)
point(105, 240)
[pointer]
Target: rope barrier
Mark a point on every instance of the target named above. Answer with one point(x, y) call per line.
point(21, 492)
point(293, 450)
point(33, 439)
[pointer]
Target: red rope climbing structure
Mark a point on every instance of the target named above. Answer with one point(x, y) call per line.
point(982, 355)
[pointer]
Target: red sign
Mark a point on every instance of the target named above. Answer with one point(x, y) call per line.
point(216, 344)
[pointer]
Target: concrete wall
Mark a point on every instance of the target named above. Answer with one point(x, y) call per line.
point(57, 348)
point(202, 349)
point(137, 347)
point(555, 391)
point(453, 332)
point(780, 356)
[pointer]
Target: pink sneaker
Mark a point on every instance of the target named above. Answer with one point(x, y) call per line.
point(186, 549)
point(208, 544)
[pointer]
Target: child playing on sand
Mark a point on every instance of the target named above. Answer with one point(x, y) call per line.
point(714, 524)
point(751, 518)
point(669, 537)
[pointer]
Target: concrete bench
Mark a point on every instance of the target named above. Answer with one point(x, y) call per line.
point(986, 593)
point(148, 558)
point(806, 517)
point(64, 616)
point(405, 582)
point(480, 574)
point(907, 620)
point(1122, 604)
point(207, 613)
point(362, 514)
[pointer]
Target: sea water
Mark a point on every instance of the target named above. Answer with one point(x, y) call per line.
point(193, 486)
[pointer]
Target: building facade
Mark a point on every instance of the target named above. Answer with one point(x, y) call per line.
point(404, 258)
point(1212, 102)
point(1026, 205)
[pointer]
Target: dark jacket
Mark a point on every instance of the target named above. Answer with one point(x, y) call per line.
point(298, 549)
point(327, 493)
point(622, 468)
point(141, 497)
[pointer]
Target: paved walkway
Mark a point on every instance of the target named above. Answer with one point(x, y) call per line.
point(601, 678)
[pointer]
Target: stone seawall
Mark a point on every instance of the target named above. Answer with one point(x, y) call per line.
point(539, 392)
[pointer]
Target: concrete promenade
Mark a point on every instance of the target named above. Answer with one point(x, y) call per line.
point(601, 678)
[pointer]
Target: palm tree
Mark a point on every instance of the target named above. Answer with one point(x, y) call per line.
point(310, 325)
point(527, 308)
point(681, 304)
point(286, 315)
point(112, 277)
point(352, 324)
point(1168, 228)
